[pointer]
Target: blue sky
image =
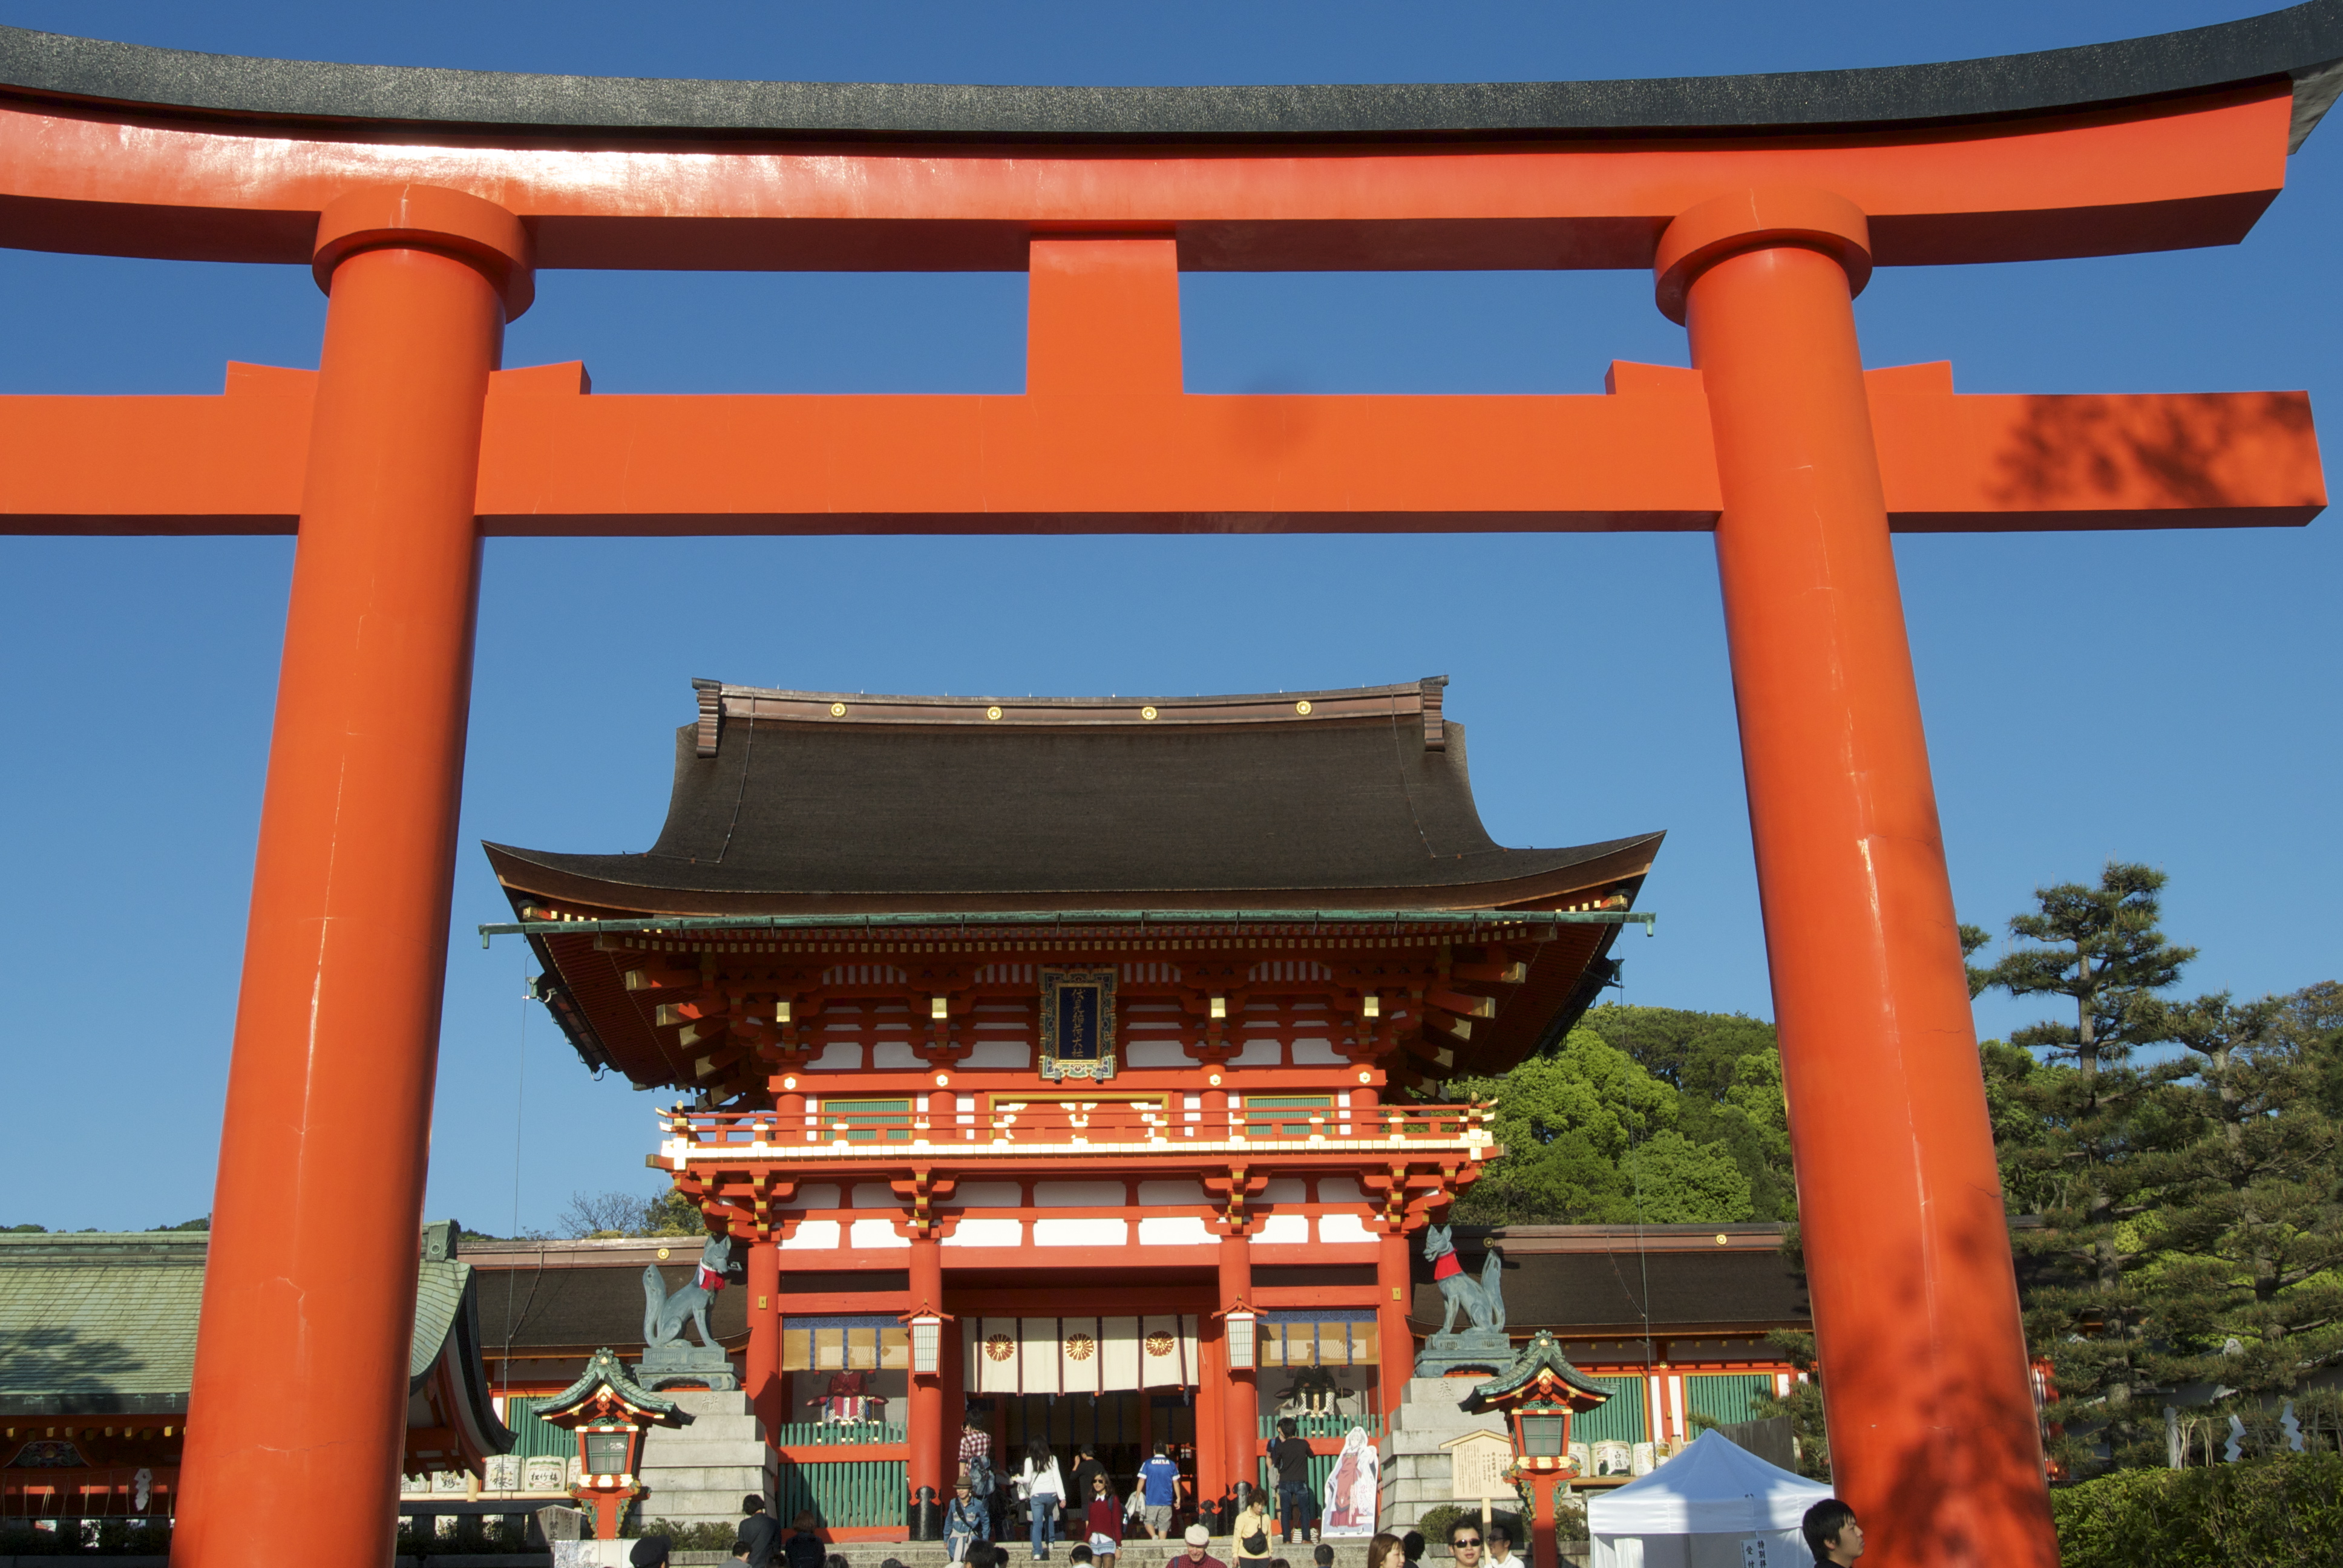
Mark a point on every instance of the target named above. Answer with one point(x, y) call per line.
point(2159, 697)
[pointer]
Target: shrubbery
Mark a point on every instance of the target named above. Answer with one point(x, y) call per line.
point(2263, 1514)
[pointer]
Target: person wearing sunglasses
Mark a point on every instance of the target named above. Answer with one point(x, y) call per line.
point(1464, 1542)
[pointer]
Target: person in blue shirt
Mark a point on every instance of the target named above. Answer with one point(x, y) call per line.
point(966, 1521)
point(1159, 1479)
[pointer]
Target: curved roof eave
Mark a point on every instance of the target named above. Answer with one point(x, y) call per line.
point(2303, 43)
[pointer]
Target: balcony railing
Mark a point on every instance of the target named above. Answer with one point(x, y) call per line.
point(1008, 1126)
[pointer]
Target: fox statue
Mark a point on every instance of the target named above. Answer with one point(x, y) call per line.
point(1482, 1300)
point(664, 1315)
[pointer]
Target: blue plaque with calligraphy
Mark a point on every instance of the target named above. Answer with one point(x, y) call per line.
point(1077, 1023)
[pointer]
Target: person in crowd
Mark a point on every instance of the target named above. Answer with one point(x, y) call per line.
point(760, 1530)
point(803, 1548)
point(651, 1551)
point(1158, 1482)
point(1043, 1489)
point(1324, 1557)
point(1290, 1457)
point(1411, 1545)
point(740, 1551)
point(1500, 1546)
point(1199, 1554)
point(1252, 1527)
point(1386, 1551)
point(1464, 1541)
point(1102, 1523)
point(1079, 1556)
point(1832, 1535)
point(966, 1521)
point(1086, 1467)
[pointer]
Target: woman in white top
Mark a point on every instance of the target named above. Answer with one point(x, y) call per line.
point(1039, 1484)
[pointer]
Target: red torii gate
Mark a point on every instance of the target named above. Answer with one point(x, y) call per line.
point(426, 199)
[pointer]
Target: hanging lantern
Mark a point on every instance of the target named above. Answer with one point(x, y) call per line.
point(1239, 1321)
point(927, 1343)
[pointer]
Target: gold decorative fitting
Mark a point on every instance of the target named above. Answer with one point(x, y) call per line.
point(1302, 706)
point(1147, 713)
point(992, 713)
point(662, 1254)
point(838, 710)
point(1720, 1240)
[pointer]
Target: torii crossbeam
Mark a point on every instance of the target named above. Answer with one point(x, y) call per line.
point(425, 200)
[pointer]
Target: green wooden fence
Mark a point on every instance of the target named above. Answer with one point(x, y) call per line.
point(836, 1434)
point(1621, 1420)
point(1725, 1396)
point(1328, 1425)
point(845, 1495)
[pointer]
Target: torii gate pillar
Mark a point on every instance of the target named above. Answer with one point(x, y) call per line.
point(1899, 1197)
point(301, 1359)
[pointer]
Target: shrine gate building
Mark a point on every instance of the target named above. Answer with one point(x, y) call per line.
point(1063, 1031)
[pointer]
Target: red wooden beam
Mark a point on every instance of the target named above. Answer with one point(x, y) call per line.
point(557, 461)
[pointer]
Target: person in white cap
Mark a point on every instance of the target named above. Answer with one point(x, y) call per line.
point(1197, 1557)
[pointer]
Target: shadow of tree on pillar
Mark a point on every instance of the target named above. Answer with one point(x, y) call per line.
point(1973, 1448)
point(2183, 460)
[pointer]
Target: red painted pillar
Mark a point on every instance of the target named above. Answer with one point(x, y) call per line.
point(1394, 1345)
point(764, 1368)
point(924, 1429)
point(1238, 1405)
point(1212, 1397)
point(1932, 1423)
point(299, 1401)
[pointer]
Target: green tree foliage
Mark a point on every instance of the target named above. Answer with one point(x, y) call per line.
point(1590, 1137)
point(2091, 1137)
point(1727, 1067)
point(1803, 1404)
point(2284, 1511)
point(2252, 1235)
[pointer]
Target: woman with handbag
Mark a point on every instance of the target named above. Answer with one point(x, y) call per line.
point(1043, 1488)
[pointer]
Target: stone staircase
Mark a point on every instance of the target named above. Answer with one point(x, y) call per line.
point(697, 1474)
point(1415, 1468)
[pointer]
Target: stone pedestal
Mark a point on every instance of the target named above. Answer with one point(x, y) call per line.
point(1416, 1469)
point(1485, 1350)
point(698, 1474)
point(705, 1366)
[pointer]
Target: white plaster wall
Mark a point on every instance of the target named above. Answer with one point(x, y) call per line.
point(1170, 1194)
point(987, 1234)
point(1077, 1195)
point(1173, 1231)
point(813, 1236)
point(1284, 1228)
point(874, 1234)
point(1080, 1233)
point(1343, 1227)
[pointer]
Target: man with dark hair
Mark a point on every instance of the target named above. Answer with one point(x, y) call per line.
point(759, 1531)
point(1500, 1546)
point(1832, 1535)
point(1290, 1457)
point(1465, 1540)
point(1160, 1480)
point(1411, 1546)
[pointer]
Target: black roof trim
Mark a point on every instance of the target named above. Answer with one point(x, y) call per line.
point(2303, 41)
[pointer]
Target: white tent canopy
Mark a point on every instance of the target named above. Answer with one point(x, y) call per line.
point(1713, 1504)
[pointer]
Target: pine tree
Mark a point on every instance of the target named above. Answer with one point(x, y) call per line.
point(2106, 1129)
point(2251, 1297)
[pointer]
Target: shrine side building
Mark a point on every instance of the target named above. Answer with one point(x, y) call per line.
point(1055, 1062)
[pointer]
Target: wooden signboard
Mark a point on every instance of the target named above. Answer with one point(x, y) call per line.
point(1477, 1464)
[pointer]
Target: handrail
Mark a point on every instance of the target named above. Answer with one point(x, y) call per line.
point(1009, 1123)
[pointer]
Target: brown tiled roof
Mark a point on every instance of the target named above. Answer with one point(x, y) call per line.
point(788, 803)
